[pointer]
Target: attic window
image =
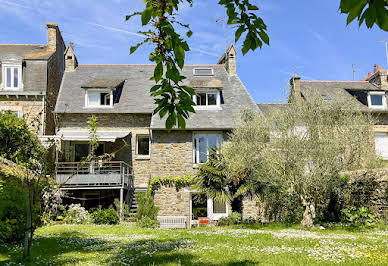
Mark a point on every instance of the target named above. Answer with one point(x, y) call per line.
point(203, 72)
point(69, 57)
point(207, 99)
point(95, 98)
point(377, 99)
point(12, 77)
point(326, 97)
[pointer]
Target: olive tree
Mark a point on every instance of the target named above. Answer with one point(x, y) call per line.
point(301, 149)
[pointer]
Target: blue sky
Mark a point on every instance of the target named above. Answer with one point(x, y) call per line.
point(309, 36)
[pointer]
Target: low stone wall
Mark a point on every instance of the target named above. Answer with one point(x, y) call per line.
point(368, 188)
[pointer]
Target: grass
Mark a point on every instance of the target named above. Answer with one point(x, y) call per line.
point(265, 245)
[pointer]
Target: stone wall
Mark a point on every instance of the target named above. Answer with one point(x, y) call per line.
point(30, 109)
point(173, 203)
point(368, 188)
point(172, 153)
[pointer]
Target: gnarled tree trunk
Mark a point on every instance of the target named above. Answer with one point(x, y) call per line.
point(309, 213)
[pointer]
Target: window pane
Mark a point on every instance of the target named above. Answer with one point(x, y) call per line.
point(202, 148)
point(81, 151)
point(15, 78)
point(143, 145)
point(219, 207)
point(212, 99)
point(105, 98)
point(201, 99)
point(99, 150)
point(94, 98)
point(376, 99)
point(8, 77)
point(212, 141)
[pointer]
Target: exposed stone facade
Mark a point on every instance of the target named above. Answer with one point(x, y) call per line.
point(173, 203)
point(29, 109)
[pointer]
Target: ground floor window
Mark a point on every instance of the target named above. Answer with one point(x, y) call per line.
point(202, 143)
point(143, 145)
point(381, 144)
point(203, 206)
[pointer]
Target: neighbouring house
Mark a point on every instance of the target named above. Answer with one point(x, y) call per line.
point(30, 78)
point(369, 95)
point(140, 146)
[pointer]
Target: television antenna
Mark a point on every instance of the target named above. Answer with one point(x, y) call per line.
point(386, 47)
point(222, 20)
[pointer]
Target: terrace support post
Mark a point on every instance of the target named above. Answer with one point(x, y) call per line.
point(121, 203)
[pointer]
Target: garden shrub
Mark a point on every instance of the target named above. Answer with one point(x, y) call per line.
point(75, 214)
point(232, 219)
point(358, 216)
point(146, 222)
point(13, 205)
point(105, 216)
point(146, 210)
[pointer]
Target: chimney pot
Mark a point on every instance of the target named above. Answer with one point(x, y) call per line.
point(374, 69)
point(369, 74)
point(378, 67)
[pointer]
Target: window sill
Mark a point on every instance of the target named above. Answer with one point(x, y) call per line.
point(196, 165)
point(209, 108)
point(98, 106)
point(142, 157)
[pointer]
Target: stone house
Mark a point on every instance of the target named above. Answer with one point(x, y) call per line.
point(139, 145)
point(30, 77)
point(368, 95)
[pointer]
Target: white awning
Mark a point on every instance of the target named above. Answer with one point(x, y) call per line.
point(82, 135)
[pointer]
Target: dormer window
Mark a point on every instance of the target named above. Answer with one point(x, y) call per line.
point(203, 72)
point(207, 99)
point(377, 99)
point(12, 77)
point(97, 98)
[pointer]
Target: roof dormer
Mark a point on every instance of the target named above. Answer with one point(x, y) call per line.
point(11, 69)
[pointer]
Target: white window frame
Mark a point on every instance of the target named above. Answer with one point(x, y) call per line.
point(4, 75)
point(203, 68)
point(137, 146)
point(384, 100)
point(99, 105)
point(209, 205)
point(196, 154)
point(217, 106)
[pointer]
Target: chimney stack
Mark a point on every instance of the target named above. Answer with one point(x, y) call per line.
point(229, 60)
point(369, 74)
point(53, 36)
point(374, 69)
point(378, 67)
point(71, 62)
point(296, 95)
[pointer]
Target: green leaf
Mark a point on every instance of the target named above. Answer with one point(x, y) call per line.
point(180, 56)
point(171, 121)
point(246, 45)
point(238, 33)
point(264, 37)
point(134, 48)
point(189, 33)
point(158, 72)
point(181, 122)
point(146, 15)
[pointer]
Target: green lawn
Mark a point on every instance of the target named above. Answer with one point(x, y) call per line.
point(274, 245)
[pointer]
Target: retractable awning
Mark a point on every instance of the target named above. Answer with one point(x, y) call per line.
point(82, 135)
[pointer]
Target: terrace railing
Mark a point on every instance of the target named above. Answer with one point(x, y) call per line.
point(96, 174)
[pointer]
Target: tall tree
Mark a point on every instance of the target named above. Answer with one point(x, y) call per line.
point(301, 150)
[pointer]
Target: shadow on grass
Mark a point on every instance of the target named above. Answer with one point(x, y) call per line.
point(47, 249)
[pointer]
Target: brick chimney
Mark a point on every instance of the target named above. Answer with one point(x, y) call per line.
point(229, 60)
point(295, 93)
point(71, 62)
point(379, 78)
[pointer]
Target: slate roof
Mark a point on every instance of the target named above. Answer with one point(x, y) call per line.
point(135, 96)
point(267, 108)
point(103, 83)
point(26, 51)
point(342, 90)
